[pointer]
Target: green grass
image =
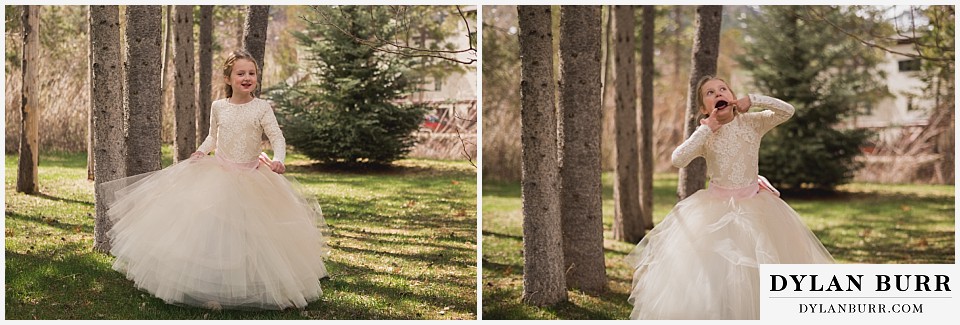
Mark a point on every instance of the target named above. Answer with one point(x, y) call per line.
point(403, 246)
point(864, 223)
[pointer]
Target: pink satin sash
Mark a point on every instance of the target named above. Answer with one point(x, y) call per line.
point(743, 192)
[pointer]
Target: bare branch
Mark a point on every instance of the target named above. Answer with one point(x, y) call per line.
point(874, 45)
point(394, 47)
point(463, 146)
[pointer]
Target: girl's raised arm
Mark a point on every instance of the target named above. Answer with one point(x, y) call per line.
point(777, 111)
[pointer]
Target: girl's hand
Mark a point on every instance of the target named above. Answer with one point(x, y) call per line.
point(711, 121)
point(275, 166)
point(743, 104)
point(278, 167)
point(197, 154)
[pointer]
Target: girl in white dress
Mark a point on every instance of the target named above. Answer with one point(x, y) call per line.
point(701, 261)
point(226, 231)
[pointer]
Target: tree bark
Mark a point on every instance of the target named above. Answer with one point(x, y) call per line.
point(580, 125)
point(142, 98)
point(106, 98)
point(543, 278)
point(90, 132)
point(627, 222)
point(185, 110)
point(30, 109)
point(255, 37)
point(646, 117)
point(706, 48)
point(206, 71)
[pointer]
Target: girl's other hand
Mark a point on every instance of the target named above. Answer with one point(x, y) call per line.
point(711, 121)
point(275, 166)
point(278, 167)
point(197, 154)
point(743, 104)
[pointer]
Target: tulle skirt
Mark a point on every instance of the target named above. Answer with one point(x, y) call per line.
point(211, 233)
point(701, 261)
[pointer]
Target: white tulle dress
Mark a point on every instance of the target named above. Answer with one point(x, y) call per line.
point(223, 231)
point(701, 261)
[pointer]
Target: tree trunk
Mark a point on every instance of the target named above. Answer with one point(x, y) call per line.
point(106, 97)
point(206, 71)
point(143, 96)
point(627, 222)
point(580, 189)
point(185, 88)
point(543, 279)
point(30, 103)
point(255, 37)
point(646, 117)
point(706, 48)
point(90, 132)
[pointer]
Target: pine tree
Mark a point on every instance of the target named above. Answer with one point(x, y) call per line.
point(348, 111)
point(826, 76)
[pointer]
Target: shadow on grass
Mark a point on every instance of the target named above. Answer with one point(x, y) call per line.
point(64, 200)
point(52, 222)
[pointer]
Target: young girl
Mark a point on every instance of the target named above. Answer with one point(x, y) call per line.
point(701, 262)
point(226, 231)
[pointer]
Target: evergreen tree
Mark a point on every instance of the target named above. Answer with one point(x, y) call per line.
point(827, 76)
point(348, 109)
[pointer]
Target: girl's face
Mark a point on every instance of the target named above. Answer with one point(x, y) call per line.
point(716, 94)
point(243, 78)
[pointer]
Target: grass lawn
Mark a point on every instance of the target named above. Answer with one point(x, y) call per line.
point(864, 223)
point(403, 246)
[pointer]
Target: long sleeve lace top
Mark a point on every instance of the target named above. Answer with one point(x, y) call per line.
point(236, 130)
point(732, 151)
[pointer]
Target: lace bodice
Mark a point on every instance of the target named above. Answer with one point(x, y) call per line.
point(236, 130)
point(732, 151)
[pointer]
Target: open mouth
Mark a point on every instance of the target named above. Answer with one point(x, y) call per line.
point(720, 105)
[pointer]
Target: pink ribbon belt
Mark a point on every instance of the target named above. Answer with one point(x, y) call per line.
point(743, 192)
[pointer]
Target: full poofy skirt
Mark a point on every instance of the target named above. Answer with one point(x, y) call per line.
point(207, 232)
point(701, 261)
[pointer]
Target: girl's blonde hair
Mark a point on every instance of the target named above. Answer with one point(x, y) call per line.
point(228, 67)
point(700, 94)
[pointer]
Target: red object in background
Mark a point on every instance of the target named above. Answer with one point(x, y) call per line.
point(431, 122)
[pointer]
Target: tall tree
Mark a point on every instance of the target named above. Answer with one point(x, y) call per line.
point(543, 276)
point(627, 222)
point(90, 132)
point(646, 116)
point(142, 97)
point(580, 124)
point(827, 76)
point(706, 49)
point(349, 111)
point(165, 57)
point(30, 103)
point(206, 70)
point(185, 90)
point(106, 97)
point(255, 36)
